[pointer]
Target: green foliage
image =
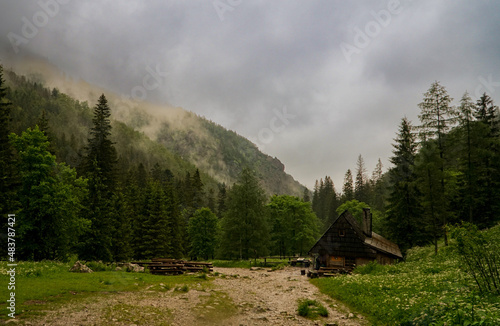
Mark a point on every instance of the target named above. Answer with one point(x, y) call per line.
point(202, 230)
point(244, 227)
point(311, 309)
point(294, 226)
point(427, 289)
point(184, 288)
point(40, 285)
point(371, 268)
point(51, 199)
point(354, 207)
point(8, 202)
point(325, 202)
point(280, 266)
point(403, 222)
point(101, 157)
point(480, 255)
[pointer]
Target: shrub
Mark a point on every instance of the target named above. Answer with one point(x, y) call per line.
point(311, 309)
point(371, 268)
point(480, 255)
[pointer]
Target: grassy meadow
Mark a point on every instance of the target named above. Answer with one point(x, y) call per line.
point(40, 285)
point(426, 289)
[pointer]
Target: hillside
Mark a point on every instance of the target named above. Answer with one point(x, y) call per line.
point(143, 132)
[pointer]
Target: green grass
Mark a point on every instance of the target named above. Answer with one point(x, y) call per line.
point(39, 284)
point(311, 309)
point(427, 289)
point(215, 308)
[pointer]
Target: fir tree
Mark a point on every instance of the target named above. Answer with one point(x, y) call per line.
point(8, 201)
point(100, 169)
point(404, 223)
point(360, 186)
point(101, 153)
point(221, 200)
point(348, 188)
point(202, 231)
point(245, 231)
point(436, 117)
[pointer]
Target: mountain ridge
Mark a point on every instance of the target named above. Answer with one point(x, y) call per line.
point(217, 151)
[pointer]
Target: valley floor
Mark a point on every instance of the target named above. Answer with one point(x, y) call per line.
point(234, 297)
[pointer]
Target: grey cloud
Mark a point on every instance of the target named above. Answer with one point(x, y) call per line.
point(269, 55)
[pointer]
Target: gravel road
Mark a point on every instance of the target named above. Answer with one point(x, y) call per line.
point(239, 297)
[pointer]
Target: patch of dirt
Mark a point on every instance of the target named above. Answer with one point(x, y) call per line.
point(238, 297)
point(270, 298)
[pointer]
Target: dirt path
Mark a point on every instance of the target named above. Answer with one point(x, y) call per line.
point(238, 297)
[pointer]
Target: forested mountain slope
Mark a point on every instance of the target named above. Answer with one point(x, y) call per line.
point(143, 132)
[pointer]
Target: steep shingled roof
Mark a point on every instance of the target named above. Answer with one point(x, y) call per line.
point(378, 242)
point(374, 241)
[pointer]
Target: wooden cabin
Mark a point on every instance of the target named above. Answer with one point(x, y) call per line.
point(347, 244)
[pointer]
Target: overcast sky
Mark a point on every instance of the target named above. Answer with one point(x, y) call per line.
point(314, 83)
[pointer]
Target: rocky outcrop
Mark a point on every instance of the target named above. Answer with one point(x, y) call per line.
point(80, 268)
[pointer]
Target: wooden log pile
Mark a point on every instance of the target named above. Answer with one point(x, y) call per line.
point(168, 266)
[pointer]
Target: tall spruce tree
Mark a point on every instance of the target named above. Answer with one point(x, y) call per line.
point(433, 200)
point(101, 154)
point(403, 219)
point(470, 139)
point(202, 229)
point(221, 200)
point(348, 188)
point(99, 166)
point(488, 118)
point(245, 230)
point(360, 186)
point(436, 117)
point(378, 187)
point(8, 201)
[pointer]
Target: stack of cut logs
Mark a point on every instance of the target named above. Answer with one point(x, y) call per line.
point(168, 266)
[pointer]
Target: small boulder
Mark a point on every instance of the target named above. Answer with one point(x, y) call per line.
point(80, 268)
point(133, 268)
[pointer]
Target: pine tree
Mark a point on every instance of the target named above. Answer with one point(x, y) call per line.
point(436, 116)
point(175, 223)
point(360, 186)
point(348, 188)
point(101, 153)
point(221, 200)
point(245, 231)
point(377, 188)
point(100, 168)
point(156, 231)
point(306, 197)
point(403, 220)
point(202, 231)
point(469, 168)
point(43, 124)
point(489, 181)
point(197, 190)
point(121, 247)
point(433, 200)
point(8, 201)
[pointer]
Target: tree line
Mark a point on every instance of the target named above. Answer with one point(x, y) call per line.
point(445, 170)
point(101, 207)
